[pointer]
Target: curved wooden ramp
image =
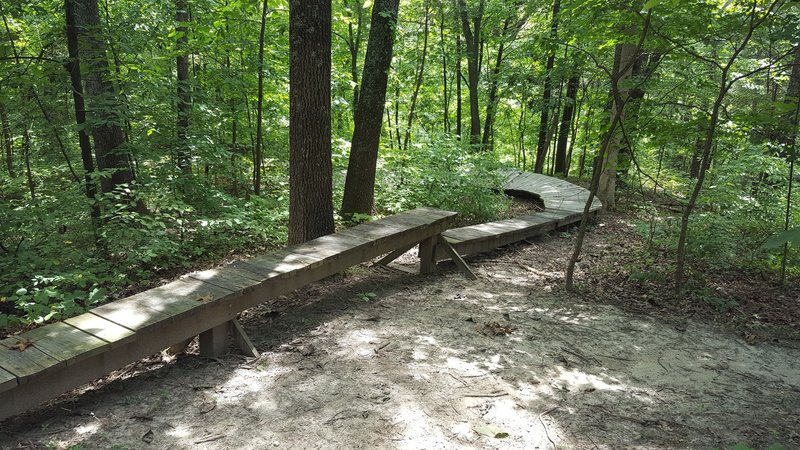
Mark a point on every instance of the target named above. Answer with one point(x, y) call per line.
point(563, 205)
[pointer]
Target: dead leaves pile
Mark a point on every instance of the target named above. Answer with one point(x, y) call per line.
point(492, 328)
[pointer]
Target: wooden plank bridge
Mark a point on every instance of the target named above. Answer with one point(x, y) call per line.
point(43, 363)
point(563, 205)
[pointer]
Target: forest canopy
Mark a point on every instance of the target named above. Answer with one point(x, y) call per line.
point(142, 138)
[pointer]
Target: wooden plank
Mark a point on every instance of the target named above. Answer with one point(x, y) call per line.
point(7, 380)
point(427, 255)
point(394, 255)
point(214, 341)
point(161, 304)
point(242, 340)
point(226, 278)
point(457, 259)
point(25, 364)
point(106, 330)
point(65, 342)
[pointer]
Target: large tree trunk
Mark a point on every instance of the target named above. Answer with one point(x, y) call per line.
point(105, 109)
point(310, 170)
point(359, 185)
point(625, 56)
point(564, 129)
point(544, 121)
point(74, 68)
point(183, 88)
point(472, 37)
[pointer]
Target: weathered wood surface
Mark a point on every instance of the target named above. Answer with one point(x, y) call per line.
point(563, 202)
point(81, 349)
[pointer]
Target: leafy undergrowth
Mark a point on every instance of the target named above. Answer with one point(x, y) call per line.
point(619, 269)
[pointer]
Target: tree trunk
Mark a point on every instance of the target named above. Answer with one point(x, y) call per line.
point(8, 143)
point(354, 46)
point(445, 92)
point(105, 109)
point(183, 87)
point(26, 153)
point(310, 169)
point(625, 56)
point(472, 37)
point(458, 87)
point(74, 68)
point(258, 154)
point(787, 135)
point(419, 78)
point(566, 122)
point(491, 104)
point(360, 181)
point(541, 147)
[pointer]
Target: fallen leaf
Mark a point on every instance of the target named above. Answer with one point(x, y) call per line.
point(491, 431)
point(22, 345)
point(204, 298)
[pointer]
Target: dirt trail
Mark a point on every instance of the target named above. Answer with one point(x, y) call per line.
point(508, 361)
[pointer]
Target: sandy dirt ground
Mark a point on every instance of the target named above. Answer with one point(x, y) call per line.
point(379, 358)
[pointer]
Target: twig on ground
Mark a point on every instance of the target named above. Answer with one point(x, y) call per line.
point(546, 431)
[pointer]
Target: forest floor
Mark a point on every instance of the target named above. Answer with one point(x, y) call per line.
point(380, 358)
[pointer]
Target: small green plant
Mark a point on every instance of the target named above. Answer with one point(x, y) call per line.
point(367, 296)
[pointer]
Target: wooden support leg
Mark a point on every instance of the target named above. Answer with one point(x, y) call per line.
point(453, 254)
point(214, 342)
point(242, 340)
point(427, 254)
point(394, 255)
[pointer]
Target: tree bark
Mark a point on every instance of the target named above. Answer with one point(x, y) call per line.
point(419, 79)
point(183, 87)
point(359, 189)
point(445, 92)
point(566, 122)
point(471, 26)
point(8, 143)
point(544, 121)
point(354, 46)
point(105, 109)
point(310, 169)
point(73, 66)
point(625, 56)
point(258, 156)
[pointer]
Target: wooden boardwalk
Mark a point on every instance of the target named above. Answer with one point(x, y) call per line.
point(563, 205)
point(45, 362)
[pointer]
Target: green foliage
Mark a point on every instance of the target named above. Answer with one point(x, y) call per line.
point(441, 174)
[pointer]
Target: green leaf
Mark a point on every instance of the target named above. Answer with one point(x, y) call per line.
point(651, 3)
point(790, 236)
point(21, 291)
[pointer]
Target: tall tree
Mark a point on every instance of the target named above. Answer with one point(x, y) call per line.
point(566, 122)
point(360, 182)
point(73, 66)
point(471, 25)
point(544, 121)
point(258, 153)
point(184, 89)
point(105, 113)
point(8, 142)
point(756, 17)
point(310, 169)
point(625, 57)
